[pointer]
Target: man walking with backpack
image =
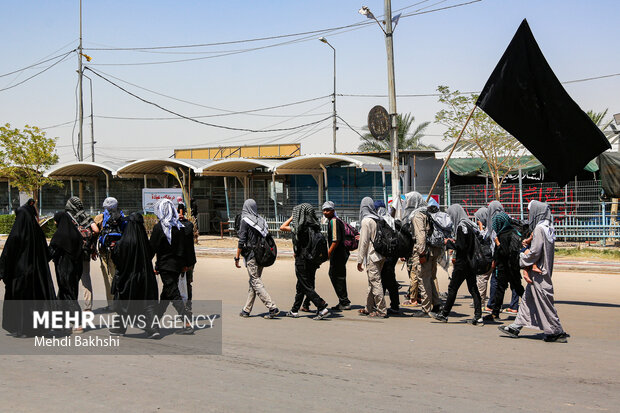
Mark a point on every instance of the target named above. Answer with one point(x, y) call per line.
point(88, 230)
point(252, 227)
point(338, 256)
point(464, 246)
point(306, 232)
point(370, 220)
point(425, 256)
point(189, 252)
point(110, 225)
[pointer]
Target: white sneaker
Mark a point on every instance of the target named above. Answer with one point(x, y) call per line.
point(322, 314)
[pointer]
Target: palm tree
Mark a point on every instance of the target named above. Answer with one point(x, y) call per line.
point(597, 117)
point(406, 139)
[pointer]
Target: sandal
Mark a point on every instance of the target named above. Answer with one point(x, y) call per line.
point(376, 314)
point(363, 311)
point(410, 303)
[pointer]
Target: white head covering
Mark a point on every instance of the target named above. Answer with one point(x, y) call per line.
point(540, 215)
point(459, 218)
point(249, 214)
point(367, 209)
point(168, 217)
point(110, 203)
point(414, 202)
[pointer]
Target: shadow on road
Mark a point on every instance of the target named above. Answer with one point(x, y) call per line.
point(588, 303)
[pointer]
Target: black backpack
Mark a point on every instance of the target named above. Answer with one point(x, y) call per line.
point(237, 224)
point(522, 227)
point(405, 239)
point(482, 257)
point(386, 240)
point(265, 251)
point(111, 230)
point(316, 251)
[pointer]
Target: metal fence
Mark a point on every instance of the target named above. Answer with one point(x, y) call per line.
point(578, 212)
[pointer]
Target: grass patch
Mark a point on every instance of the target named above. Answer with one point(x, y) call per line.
point(610, 253)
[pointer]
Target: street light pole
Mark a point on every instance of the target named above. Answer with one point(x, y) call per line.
point(81, 99)
point(389, 46)
point(335, 128)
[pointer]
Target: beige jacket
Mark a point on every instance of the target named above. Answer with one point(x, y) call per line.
point(420, 226)
point(366, 250)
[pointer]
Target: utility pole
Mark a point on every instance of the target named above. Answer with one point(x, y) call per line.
point(389, 45)
point(80, 98)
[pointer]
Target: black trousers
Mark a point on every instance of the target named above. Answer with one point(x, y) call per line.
point(311, 280)
point(388, 280)
point(338, 277)
point(189, 276)
point(306, 273)
point(459, 274)
point(506, 274)
point(170, 293)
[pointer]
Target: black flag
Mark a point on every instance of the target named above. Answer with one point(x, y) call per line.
point(524, 96)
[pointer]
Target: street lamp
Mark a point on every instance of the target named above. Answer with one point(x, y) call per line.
point(324, 40)
point(389, 46)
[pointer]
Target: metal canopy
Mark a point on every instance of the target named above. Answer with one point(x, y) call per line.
point(310, 164)
point(156, 166)
point(235, 166)
point(77, 169)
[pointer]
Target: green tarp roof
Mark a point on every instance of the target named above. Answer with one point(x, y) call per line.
point(478, 166)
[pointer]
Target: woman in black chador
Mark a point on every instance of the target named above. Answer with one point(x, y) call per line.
point(134, 286)
point(66, 252)
point(26, 274)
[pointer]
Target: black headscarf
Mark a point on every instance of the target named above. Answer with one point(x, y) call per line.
point(134, 279)
point(25, 271)
point(67, 237)
point(75, 207)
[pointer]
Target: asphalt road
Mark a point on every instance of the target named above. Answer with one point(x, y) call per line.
point(346, 363)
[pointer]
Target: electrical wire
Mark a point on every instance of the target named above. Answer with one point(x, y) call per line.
point(37, 64)
point(232, 112)
point(196, 120)
point(466, 93)
point(37, 74)
point(312, 36)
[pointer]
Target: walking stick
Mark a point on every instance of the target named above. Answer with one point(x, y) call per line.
point(445, 162)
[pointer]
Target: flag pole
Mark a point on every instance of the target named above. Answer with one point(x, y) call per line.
point(445, 162)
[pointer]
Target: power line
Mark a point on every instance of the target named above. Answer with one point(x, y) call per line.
point(232, 112)
point(350, 127)
point(36, 74)
point(36, 64)
point(58, 125)
point(464, 93)
point(312, 35)
point(258, 39)
point(198, 121)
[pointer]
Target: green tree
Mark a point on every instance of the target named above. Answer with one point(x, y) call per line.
point(24, 157)
point(407, 139)
point(483, 138)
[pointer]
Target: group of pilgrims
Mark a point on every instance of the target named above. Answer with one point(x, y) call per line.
point(132, 287)
point(125, 252)
point(515, 256)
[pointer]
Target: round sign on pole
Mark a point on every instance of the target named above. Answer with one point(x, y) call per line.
point(379, 122)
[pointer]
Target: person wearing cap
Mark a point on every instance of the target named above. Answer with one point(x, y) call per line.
point(111, 216)
point(338, 256)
